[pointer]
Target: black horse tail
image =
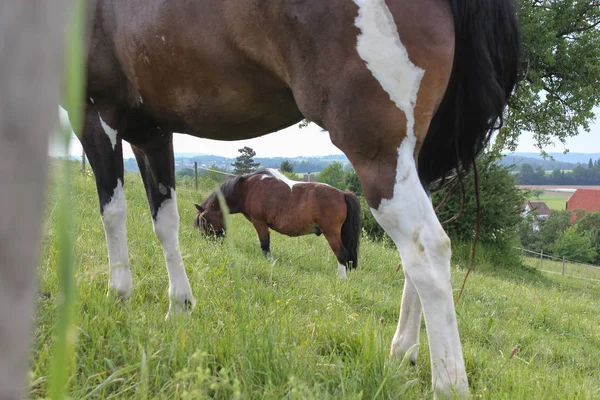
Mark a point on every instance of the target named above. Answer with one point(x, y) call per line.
point(486, 61)
point(351, 230)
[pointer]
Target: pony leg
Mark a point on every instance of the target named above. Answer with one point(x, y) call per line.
point(263, 236)
point(157, 168)
point(335, 242)
point(105, 152)
point(409, 322)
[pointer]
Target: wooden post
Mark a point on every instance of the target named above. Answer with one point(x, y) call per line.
point(541, 257)
point(563, 266)
point(196, 175)
point(82, 161)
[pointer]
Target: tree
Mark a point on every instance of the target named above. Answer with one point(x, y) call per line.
point(244, 163)
point(575, 246)
point(353, 183)
point(286, 166)
point(589, 225)
point(185, 172)
point(557, 88)
point(537, 193)
point(501, 205)
point(216, 174)
point(333, 175)
point(551, 228)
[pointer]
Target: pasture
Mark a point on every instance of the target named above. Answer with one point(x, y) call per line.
point(554, 200)
point(292, 329)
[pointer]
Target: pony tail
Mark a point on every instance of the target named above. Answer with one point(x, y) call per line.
point(351, 229)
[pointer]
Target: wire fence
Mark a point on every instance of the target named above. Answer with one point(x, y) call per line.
point(560, 265)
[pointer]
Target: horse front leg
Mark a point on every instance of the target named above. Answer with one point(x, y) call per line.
point(157, 167)
point(264, 236)
point(103, 148)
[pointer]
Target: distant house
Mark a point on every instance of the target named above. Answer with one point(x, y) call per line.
point(308, 178)
point(582, 202)
point(538, 209)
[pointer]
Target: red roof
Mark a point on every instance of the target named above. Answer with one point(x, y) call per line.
point(308, 178)
point(584, 199)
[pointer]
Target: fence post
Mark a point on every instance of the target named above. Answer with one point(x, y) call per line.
point(196, 175)
point(541, 257)
point(563, 266)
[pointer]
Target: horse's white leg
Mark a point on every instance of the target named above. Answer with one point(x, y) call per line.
point(410, 220)
point(409, 322)
point(114, 218)
point(166, 227)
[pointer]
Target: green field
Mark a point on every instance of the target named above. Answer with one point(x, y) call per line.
point(553, 200)
point(292, 329)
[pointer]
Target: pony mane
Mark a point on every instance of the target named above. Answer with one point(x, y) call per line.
point(228, 187)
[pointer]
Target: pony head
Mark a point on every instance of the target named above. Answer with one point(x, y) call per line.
point(209, 218)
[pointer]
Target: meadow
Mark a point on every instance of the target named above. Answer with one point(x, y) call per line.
point(290, 328)
point(554, 201)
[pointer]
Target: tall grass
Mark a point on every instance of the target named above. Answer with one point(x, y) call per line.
point(291, 329)
point(64, 340)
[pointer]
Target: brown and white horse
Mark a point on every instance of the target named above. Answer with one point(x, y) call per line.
point(409, 90)
point(269, 200)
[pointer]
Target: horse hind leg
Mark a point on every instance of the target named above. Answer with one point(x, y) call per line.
point(157, 167)
point(104, 151)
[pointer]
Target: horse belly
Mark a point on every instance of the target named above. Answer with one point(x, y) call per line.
point(184, 72)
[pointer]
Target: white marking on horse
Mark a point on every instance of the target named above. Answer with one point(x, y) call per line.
point(342, 271)
point(279, 176)
point(110, 132)
point(166, 228)
point(91, 100)
point(380, 46)
point(408, 217)
point(114, 217)
point(163, 39)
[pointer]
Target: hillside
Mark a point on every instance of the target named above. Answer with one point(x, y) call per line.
point(291, 329)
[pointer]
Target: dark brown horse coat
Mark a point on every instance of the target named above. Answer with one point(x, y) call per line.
point(408, 90)
point(269, 200)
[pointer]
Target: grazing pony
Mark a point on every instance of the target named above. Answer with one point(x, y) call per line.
point(409, 90)
point(268, 199)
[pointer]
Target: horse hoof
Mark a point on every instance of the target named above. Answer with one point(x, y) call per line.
point(120, 283)
point(181, 307)
point(408, 356)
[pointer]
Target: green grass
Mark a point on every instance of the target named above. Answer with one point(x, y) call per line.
point(556, 267)
point(554, 201)
point(293, 330)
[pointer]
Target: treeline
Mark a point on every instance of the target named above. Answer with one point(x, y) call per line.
point(544, 163)
point(579, 175)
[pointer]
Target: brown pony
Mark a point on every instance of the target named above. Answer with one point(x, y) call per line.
point(268, 199)
point(409, 90)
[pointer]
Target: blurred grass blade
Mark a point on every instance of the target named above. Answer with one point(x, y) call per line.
point(62, 357)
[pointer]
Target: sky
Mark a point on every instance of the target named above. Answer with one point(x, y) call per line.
point(312, 141)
